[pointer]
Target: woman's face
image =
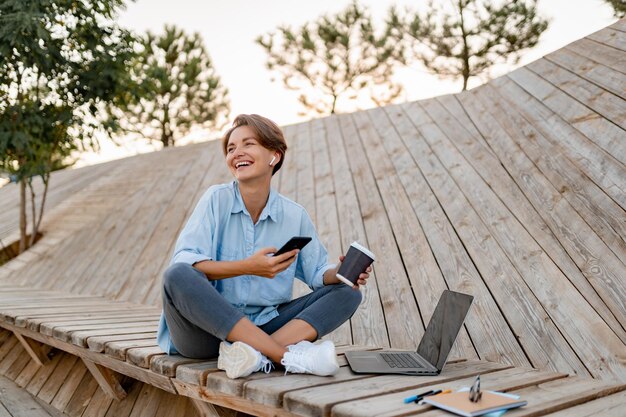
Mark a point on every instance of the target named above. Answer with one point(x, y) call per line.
point(246, 158)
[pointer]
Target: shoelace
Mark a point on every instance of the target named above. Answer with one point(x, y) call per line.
point(267, 366)
point(291, 367)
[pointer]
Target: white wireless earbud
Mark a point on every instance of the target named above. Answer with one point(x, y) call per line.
point(272, 161)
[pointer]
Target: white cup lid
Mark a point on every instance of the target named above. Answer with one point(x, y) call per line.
point(363, 249)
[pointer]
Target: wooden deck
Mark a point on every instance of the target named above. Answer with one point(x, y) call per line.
point(514, 192)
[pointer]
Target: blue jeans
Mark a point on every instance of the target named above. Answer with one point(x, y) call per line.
point(199, 317)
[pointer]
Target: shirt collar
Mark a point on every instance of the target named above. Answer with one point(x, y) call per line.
point(271, 209)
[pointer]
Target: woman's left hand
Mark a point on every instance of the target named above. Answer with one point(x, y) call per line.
point(363, 277)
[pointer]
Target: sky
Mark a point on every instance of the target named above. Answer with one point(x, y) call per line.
point(230, 27)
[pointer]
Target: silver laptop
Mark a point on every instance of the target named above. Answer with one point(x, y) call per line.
point(433, 350)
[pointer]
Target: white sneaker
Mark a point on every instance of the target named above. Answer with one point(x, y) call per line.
point(305, 344)
point(239, 359)
point(308, 358)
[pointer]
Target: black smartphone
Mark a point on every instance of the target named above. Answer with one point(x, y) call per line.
point(296, 242)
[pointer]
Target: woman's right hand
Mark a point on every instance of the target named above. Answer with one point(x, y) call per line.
point(263, 265)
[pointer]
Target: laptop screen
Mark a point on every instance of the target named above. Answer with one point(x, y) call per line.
point(444, 327)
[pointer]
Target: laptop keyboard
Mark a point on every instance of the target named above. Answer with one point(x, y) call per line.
point(402, 360)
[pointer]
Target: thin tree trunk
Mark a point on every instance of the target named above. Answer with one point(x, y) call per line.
point(33, 210)
point(22, 216)
point(46, 182)
point(465, 54)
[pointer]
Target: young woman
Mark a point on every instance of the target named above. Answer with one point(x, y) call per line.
point(224, 292)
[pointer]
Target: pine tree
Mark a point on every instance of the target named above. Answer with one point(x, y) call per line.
point(466, 40)
point(61, 63)
point(337, 56)
point(175, 89)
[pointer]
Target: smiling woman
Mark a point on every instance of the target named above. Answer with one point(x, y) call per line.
point(227, 291)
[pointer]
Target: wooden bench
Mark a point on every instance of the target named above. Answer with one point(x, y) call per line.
point(114, 337)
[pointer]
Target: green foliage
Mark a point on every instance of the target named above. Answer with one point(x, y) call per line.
point(619, 7)
point(61, 63)
point(175, 88)
point(469, 38)
point(338, 56)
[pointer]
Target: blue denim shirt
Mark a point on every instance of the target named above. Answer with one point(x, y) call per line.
point(221, 229)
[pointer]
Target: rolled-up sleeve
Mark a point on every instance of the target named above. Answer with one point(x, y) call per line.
point(195, 242)
point(313, 259)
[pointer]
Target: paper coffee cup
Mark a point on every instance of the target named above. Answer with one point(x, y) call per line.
point(355, 263)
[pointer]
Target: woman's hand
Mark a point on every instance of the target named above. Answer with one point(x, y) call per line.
point(263, 265)
point(362, 278)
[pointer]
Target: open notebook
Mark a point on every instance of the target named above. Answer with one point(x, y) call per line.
point(459, 403)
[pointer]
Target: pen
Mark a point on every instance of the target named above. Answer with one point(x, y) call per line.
point(448, 391)
point(417, 397)
point(430, 394)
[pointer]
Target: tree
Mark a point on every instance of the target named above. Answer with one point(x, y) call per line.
point(619, 7)
point(176, 88)
point(469, 38)
point(61, 63)
point(336, 56)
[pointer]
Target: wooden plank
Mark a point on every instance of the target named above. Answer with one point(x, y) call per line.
point(305, 191)
point(125, 368)
point(130, 191)
point(33, 322)
point(79, 338)
point(543, 343)
point(610, 37)
point(16, 402)
point(148, 402)
point(570, 223)
point(69, 386)
point(107, 380)
point(592, 71)
point(392, 405)
point(48, 326)
point(318, 401)
point(485, 318)
point(498, 178)
point(18, 366)
point(196, 373)
point(65, 332)
point(98, 405)
point(368, 322)
point(421, 266)
point(97, 344)
point(125, 407)
point(598, 165)
point(610, 406)
point(327, 223)
point(82, 396)
point(37, 351)
point(607, 104)
point(118, 349)
point(46, 385)
point(11, 356)
point(137, 235)
point(27, 374)
point(228, 401)
point(600, 53)
point(536, 269)
point(204, 409)
point(558, 395)
point(142, 356)
point(401, 312)
point(591, 124)
point(167, 364)
point(270, 391)
point(146, 272)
